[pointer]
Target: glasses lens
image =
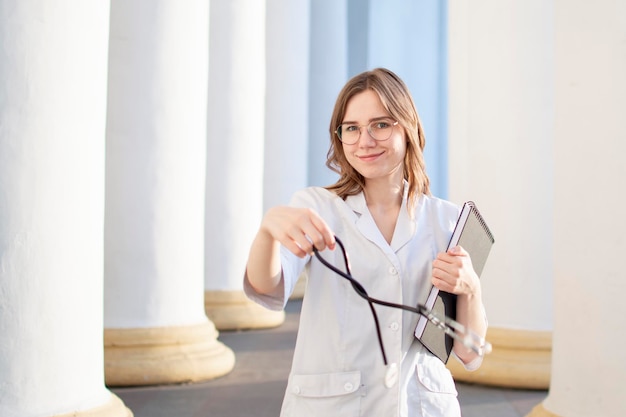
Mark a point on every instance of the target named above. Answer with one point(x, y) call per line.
point(348, 133)
point(381, 129)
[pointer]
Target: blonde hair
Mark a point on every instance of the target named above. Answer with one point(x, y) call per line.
point(397, 100)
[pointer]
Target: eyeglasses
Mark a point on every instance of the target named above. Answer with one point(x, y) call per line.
point(349, 133)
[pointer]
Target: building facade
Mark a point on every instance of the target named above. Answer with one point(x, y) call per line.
point(141, 142)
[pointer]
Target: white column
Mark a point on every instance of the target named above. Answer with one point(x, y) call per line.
point(329, 72)
point(287, 102)
point(52, 123)
point(234, 182)
point(156, 329)
point(588, 369)
point(500, 156)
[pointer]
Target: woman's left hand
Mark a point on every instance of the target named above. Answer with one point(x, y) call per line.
point(453, 272)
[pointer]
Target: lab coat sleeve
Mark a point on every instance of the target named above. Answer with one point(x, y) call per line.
point(292, 267)
point(477, 361)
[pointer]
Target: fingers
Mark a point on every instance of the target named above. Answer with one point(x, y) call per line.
point(453, 271)
point(326, 236)
point(449, 263)
point(310, 231)
point(445, 274)
point(458, 251)
point(298, 229)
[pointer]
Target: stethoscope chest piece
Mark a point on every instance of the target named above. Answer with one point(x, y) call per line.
point(391, 376)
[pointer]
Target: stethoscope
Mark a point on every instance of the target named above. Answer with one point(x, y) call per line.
point(451, 327)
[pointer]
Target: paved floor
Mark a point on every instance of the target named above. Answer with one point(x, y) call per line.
point(255, 386)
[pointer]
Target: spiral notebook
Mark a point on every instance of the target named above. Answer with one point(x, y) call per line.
point(471, 232)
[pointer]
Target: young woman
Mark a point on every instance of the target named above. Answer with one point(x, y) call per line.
point(395, 234)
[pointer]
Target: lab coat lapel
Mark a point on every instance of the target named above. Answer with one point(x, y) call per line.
point(405, 225)
point(365, 222)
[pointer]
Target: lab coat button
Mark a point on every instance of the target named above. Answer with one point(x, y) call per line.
point(392, 270)
point(348, 387)
point(296, 390)
point(394, 326)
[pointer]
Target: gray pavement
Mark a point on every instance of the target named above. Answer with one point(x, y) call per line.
point(256, 385)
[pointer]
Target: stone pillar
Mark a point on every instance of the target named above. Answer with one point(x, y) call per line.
point(329, 72)
point(500, 156)
point(588, 371)
point(52, 123)
point(234, 155)
point(287, 100)
point(287, 105)
point(156, 330)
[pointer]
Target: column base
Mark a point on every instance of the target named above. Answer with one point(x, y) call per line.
point(114, 408)
point(232, 310)
point(540, 411)
point(520, 359)
point(298, 291)
point(164, 355)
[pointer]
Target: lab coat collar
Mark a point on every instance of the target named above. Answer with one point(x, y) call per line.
point(405, 225)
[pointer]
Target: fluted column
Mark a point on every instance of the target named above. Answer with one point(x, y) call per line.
point(52, 123)
point(500, 156)
point(234, 182)
point(156, 330)
point(328, 74)
point(588, 370)
point(287, 104)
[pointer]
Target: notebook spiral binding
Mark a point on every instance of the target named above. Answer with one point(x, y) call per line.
point(482, 222)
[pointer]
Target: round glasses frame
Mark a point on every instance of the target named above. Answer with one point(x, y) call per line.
point(372, 128)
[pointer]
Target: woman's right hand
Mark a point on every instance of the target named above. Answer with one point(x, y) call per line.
point(298, 229)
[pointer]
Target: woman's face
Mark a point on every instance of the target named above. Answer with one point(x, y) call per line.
point(374, 159)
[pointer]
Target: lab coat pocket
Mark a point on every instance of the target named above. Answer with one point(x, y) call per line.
point(337, 394)
point(435, 377)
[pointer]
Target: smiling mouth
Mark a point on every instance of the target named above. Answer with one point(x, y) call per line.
point(369, 157)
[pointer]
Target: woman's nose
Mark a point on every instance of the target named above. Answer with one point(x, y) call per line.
point(365, 137)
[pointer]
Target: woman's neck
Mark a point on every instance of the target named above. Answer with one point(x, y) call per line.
point(384, 201)
point(383, 195)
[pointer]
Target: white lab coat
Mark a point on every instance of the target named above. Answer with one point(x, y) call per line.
point(337, 368)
